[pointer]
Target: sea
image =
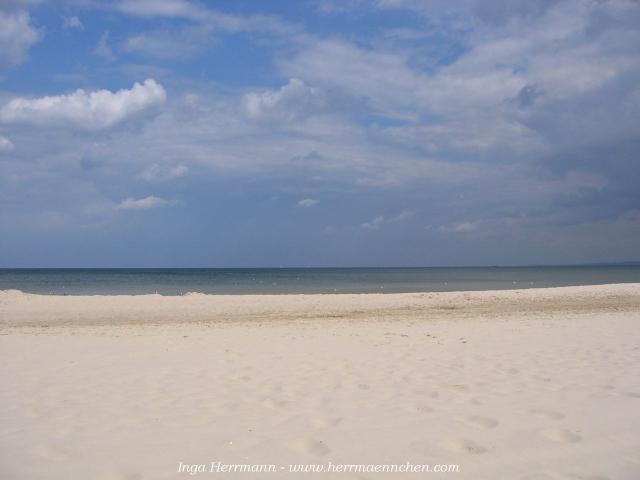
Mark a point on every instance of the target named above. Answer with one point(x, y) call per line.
point(238, 281)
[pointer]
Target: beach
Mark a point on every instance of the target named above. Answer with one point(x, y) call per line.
point(535, 384)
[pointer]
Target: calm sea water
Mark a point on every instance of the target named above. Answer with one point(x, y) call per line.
point(177, 281)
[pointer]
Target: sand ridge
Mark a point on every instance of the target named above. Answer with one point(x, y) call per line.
point(22, 309)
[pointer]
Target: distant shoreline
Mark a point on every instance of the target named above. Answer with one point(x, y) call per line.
point(172, 282)
point(515, 288)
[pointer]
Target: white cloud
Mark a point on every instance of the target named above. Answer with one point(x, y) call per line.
point(160, 8)
point(462, 227)
point(308, 202)
point(220, 21)
point(567, 52)
point(20, 3)
point(404, 215)
point(72, 22)
point(379, 78)
point(95, 110)
point(339, 6)
point(178, 43)
point(487, 134)
point(374, 224)
point(379, 221)
point(293, 101)
point(17, 35)
point(156, 172)
point(145, 203)
point(103, 49)
point(5, 144)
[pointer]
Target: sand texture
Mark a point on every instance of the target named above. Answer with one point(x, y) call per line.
point(525, 384)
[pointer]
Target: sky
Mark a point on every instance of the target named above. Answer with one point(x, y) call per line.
point(175, 133)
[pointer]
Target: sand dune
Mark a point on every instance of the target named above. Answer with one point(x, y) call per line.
point(529, 384)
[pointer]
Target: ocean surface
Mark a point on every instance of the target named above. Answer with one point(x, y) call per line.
point(178, 281)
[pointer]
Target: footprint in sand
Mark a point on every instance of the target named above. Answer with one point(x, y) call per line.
point(418, 408)
point(558, 435)
point(459, 388)
point(231, 406)
point(120, 476)
point(54, 452)
point(422, 447)
point(276, 387)
point(464, 446)
point(422, 408)
point(482, 422)
point(309, 446)
point(326, 422)
point(548, 414)
point(588, 477)
point(273, 403)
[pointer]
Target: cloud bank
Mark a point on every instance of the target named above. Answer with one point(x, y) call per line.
point(510, 129)
point(97, 110)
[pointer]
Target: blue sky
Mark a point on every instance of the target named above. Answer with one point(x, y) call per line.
point(318, 132)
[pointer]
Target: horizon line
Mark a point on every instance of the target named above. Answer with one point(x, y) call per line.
point(531, 265)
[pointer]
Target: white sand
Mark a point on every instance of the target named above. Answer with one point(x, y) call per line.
point(529, 384)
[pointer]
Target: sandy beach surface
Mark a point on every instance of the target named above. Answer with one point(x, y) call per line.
point(537, 384)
